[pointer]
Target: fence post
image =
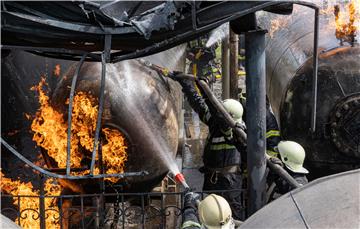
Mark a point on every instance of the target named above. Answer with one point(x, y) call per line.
point(42, 202)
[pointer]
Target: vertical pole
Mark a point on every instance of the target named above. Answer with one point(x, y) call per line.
point(234, 52)
point(225, 78)
point(42, 202)
point(315, 70)
point(71, 100)
point(256, 116)
point(101, 206)
point(105, 58)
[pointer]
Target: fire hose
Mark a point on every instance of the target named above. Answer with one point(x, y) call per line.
point(238, 130)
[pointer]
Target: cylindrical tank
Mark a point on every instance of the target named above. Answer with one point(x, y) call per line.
point(335, 145)
point(314, 205)
point(138, 102)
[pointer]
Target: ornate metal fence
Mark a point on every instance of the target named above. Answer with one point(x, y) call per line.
point(106, 210)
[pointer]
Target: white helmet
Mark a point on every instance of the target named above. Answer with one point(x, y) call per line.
point(234, 108)
point(292, 154)
point(215, 212)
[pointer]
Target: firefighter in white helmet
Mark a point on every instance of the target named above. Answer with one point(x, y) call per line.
point(292, 156)
point(222, 153)
point(214, 213)
point(234, 108)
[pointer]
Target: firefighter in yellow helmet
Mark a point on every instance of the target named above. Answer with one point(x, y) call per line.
point(214, 212)
point(292, 156)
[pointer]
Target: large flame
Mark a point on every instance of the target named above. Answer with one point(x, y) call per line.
point(347, 20)
point(29, 204)
point(50, 132)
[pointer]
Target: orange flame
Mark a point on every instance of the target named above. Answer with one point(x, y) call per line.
point(50, 132)
point(57, 70)
point(114, 152)
point(347, 20)
point(32, 220)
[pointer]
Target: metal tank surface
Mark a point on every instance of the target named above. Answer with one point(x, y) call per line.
point(7, 223)
point(328, 202)
point(335, 145)
point(140, 103)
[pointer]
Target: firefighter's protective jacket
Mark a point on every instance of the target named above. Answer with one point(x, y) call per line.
point(201, 57)
point(220, 150)
point(272, 131)
point(190, 216)
point(272, 128)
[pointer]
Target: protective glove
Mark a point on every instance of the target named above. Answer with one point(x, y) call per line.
point(276, 161)
point(190, 199)
point(174, 75)
point(241, 125)
point(203, 78)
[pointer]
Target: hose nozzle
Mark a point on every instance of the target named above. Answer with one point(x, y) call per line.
point(181, 179)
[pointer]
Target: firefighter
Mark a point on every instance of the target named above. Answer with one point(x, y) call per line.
point(272, 131)
point(221, 157)
point(202, 58)
point(292, 156)
point(214, 213)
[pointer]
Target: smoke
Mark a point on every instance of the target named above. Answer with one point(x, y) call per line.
point(218, 34)
point(131, 99)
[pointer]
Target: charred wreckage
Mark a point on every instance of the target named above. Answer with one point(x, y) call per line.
point(95, 46)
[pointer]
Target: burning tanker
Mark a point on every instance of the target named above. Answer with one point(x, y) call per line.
point(335, 145)
point(140, 122)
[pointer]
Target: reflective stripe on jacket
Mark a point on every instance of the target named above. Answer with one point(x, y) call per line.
point(272, 132)
point(190, 225)
point(220, 150)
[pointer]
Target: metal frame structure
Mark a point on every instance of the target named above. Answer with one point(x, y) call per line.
point(107, 57)
point(201, 23)
point(202, 20)
point(150, 207)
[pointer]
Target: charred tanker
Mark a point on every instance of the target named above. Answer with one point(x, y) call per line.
point(335, 144)
point(140, 104)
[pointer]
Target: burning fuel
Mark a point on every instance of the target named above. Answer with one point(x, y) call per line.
point(57, 70)
point(28, 204)
point(343, 17)
point(347, 20)
point(50, 133)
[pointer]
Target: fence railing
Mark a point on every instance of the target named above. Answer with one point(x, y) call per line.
point(106, 210)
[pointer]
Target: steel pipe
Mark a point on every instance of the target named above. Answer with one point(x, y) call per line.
point(234, 52)
point(225, 71)
point(315, 71)
point(256, 118)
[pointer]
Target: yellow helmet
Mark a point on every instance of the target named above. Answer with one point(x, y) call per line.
point(292, 155)
point(215, 212)
point(234, 108)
